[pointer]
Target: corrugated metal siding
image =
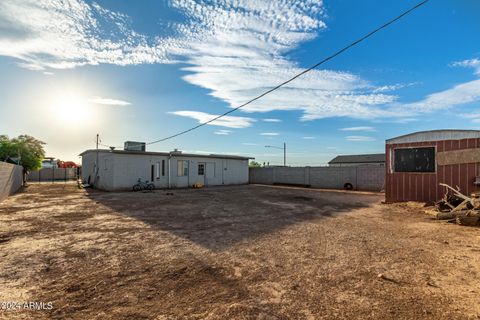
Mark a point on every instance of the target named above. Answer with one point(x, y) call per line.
point(406, 186)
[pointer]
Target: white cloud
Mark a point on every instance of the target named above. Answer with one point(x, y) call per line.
point(271, 120)
point(110, 102)
point(65, 34)
point(226, 121)
point(250, 144)
point(223, 132)
point(271, 134)
point(359, 138)
point(404, 120)
point(458, 95)
point(471, 63)
point(393, 87)
point(47, 73)
point(308, 138)
point(473, 116)
point(234, 49)
point(370, 129)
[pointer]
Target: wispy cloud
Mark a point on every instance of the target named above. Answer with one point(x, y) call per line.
point(250, 144)
point(460, 94)
point(393, 87)
point(404, 120)
point(234, 49)
point(271, 120)
point(473, 116)
point(365, 128)
point(470, 63)
point(47, 73)
point(227, 121)
point(308, 138)
point(67, 34)
point(223, 132)
point(110, 102)
point(359, 138)
point(271, 134)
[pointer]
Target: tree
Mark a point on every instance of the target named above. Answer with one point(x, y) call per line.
point(28, 150)
point(254, 164)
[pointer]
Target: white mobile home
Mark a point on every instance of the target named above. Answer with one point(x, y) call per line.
point(120, 169)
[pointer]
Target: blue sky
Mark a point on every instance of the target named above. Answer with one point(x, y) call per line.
point(141, 71)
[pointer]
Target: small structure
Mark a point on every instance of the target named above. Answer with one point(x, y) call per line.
point(120, 169)
point(377, 159)
point(49, 162)
point(418, 162)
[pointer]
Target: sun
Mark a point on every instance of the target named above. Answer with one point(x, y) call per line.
point(70, 108)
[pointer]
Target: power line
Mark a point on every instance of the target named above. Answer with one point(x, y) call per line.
point(368, 35)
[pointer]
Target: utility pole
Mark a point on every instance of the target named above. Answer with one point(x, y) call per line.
point(96, 165)
point(284, 148)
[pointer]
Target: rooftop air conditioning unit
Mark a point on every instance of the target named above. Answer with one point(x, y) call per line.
point(134, 146)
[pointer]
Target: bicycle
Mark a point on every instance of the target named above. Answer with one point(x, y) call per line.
point(140, 185)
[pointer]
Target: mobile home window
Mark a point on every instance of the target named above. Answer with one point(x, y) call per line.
point(414, 160)
point(157, 170)
point(163, 168)
point(182, 168)
point(201, 169)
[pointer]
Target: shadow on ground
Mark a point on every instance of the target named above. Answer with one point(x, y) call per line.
point(219, 217)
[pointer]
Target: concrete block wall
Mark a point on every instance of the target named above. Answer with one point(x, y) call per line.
point(371, 178)
point(332, 177)
point(367, 178)
point(52, 174)
point(11, 179)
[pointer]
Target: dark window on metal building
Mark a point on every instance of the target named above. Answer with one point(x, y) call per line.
point(414, 160)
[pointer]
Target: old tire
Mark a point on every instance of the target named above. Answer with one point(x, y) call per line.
point(348, 186)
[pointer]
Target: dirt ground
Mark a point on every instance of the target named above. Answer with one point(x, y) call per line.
point(240, 252)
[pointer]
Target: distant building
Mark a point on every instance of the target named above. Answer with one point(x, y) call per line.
point(377, 159)
point(49, 162)
point(418, 162)
point(120, 169)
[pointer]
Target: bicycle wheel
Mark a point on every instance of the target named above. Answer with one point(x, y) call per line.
point(137, 187)
point(150, 187)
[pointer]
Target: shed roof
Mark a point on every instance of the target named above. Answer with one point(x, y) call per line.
point(359, 158)
point(435, 135)
point(173, 153)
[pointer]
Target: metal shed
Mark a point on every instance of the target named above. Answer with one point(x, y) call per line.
point(416, 163)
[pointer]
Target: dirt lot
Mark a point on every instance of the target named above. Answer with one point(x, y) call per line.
point(243, 252)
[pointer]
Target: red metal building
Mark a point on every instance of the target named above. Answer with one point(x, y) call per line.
point(416, 163)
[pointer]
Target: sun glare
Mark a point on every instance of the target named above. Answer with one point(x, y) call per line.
point(70, 109)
